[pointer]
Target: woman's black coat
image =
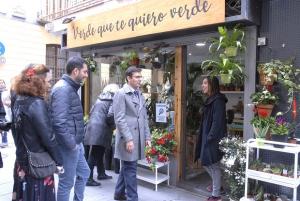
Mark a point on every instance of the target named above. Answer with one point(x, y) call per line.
point(32, 124)
point(100, 126)
point(212, 129)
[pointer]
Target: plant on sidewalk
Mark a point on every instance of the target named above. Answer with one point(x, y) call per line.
point(162, 145)
point(234, 162)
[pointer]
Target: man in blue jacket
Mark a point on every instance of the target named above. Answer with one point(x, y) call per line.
point(67, 116)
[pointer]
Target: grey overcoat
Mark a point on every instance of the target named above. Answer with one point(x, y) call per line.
point(131, 121)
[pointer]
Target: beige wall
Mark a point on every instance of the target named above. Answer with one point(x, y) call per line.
point(24, 43)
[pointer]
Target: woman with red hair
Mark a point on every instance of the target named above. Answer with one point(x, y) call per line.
point(32, 130)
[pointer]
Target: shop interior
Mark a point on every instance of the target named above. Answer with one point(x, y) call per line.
point(157, 60)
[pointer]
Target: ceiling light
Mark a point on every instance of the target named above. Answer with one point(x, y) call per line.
point(190, 54)
point(201, 44)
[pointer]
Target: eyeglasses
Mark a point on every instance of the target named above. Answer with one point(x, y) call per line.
point(138, 77)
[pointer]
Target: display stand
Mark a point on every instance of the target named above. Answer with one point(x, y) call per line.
point(268, 177)
point(146, 174)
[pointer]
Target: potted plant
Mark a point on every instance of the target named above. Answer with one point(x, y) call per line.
point(261, 124)
point(226, 67)
point(282, 71)
point(91, 63)
point(267, 74)
point(228, 42)
point(234, 162)
point(130, 58)
point(162, 145)
point(264, 100)
point(279, 130)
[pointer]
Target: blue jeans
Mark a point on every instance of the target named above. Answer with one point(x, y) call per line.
point(127, 181)
point(214, 172)
point(76, 169)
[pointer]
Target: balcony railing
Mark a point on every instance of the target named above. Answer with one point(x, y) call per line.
point(56, 9)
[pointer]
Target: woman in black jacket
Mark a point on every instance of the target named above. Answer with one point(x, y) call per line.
point(212, 130)
point(98, 134)
point(32, 128)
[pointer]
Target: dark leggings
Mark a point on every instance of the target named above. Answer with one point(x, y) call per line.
point(94, 158)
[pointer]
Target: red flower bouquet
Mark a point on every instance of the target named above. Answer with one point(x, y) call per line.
point(162, 145)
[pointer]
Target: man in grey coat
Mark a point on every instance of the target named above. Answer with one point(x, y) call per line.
point(132, 133)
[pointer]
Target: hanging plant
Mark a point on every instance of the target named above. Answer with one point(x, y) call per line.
point(91, 63)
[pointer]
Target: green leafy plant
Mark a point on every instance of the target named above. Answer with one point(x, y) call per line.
point(129, 58)
point(284, 72)
point(263, 97)
point(224, 51)
point(261, 124)
point(91, 63)
point(280, 126)
point(224, 65)
point(228, 42)
point(162, 145)
point(234, 161)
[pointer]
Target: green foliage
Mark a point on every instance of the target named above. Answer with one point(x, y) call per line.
point(285, 73)
point(128, 57)
point(227, 40)
point(225, 61)
point(264, 97)
point(234, 161)
point(91, 63)
point(261, 125)
point(280, 126)
point(224, 65)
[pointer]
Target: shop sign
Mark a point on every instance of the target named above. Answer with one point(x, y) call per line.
point(144, 18)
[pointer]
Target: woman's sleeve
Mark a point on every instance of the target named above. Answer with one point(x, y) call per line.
point(218, 121)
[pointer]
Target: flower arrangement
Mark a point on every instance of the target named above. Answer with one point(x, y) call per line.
point(234, 161)
point(261, 123)
point(280, 126)
point(264, 97)
point(162, 145)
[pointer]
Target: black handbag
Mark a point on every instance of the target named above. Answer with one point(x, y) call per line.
point(40, 164)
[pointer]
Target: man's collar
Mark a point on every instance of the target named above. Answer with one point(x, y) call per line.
point(129, 88)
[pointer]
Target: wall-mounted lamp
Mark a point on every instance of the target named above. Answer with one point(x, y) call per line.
point(68, 20)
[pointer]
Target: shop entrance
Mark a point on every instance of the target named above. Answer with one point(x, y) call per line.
point(194, 176)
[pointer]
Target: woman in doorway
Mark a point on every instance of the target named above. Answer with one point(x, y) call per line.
point(212, 130)
point(32, 130)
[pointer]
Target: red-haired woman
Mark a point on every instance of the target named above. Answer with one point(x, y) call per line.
point(32, 128)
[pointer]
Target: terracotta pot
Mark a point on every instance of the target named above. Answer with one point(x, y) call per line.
point(268, 108)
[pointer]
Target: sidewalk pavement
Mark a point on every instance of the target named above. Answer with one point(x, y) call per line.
point(103, 193)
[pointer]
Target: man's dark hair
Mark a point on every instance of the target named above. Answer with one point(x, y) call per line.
point(213, 83)
point(130, 70)
point(74, 62)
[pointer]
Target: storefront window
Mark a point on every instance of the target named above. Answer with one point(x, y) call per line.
point(158, 67)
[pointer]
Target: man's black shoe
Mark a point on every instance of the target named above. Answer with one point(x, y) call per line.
point(120, 197)
point(92, 182)
point(103, 177)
